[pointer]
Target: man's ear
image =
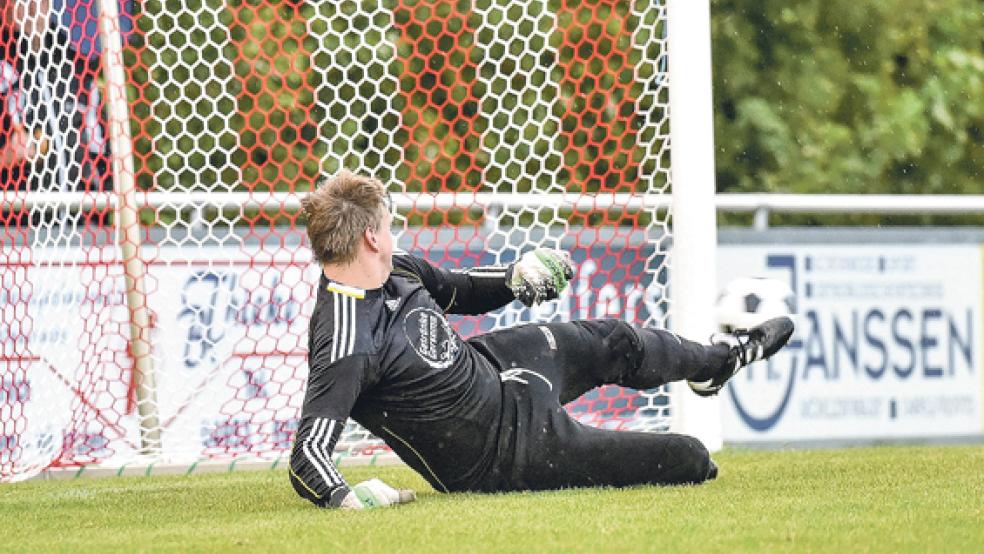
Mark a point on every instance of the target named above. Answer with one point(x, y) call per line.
point(371, 239)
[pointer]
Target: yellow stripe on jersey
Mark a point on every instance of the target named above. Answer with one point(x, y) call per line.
point(354, 292)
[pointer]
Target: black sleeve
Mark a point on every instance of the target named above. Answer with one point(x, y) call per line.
point(467, 291)
point(312, 471)
point(332, 391)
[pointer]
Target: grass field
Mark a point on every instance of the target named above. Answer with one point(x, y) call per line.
point(888, 499)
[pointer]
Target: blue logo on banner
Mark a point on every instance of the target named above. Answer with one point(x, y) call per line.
point(767, 422)
point(869, 342)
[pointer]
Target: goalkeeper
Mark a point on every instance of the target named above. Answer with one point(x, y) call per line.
point(484, 414)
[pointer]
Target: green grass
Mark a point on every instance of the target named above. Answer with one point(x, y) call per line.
point(888, 499)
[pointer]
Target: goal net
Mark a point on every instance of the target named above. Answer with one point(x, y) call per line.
point(156, 281)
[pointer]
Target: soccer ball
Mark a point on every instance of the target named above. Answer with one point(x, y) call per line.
point(748, 301)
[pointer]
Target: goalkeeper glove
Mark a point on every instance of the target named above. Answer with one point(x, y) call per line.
point(539, 275)
point(375, 494)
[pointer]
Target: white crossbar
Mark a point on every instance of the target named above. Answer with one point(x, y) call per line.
point(790, 203)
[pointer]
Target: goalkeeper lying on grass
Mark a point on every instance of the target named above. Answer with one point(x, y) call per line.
point(483, 414)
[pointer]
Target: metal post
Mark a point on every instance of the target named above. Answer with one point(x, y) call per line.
point(693, 273)
point(128, 226)
point(761, 222)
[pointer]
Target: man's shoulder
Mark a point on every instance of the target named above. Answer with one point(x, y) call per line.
point(407, 266)
point(342, 321)
point(408, 270)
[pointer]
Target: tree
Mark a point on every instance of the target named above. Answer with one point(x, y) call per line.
point(849, 96)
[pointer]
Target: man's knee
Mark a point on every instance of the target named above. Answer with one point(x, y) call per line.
point(623, 343)
point(691, 461)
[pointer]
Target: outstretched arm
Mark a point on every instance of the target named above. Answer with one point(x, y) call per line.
point(537, 276)
point(332, 391)
point(315, 477)
point(467, 291)
point(311, 469)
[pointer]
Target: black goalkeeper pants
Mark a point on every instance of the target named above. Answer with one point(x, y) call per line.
point(544, 366)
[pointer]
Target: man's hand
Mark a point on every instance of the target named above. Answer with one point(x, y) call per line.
point(540, 275)
point(376, 494)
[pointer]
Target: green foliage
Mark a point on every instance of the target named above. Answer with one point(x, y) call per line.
point(886, 499)
point(849, 96)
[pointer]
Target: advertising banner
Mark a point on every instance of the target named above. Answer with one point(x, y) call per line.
point(888, 344)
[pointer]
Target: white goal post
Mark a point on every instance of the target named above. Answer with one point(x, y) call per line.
point(156, 279)
point(693, 280)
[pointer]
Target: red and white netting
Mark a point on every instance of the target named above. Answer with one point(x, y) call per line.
point(499, 125)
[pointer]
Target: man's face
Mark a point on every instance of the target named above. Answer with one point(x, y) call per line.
point(384, 237)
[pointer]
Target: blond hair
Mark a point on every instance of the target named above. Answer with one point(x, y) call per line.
point(338, 212)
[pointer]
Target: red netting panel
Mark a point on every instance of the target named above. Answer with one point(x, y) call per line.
point(440, 95)
point(599, 95)
point(438, 89)
point(599, 124)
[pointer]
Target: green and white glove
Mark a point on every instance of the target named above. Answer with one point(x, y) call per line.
point(376, 494)
point(539, 275)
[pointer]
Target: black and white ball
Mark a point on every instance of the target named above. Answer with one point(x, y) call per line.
point(748, 301)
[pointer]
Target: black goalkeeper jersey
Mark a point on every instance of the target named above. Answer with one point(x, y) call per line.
point(388, 359)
